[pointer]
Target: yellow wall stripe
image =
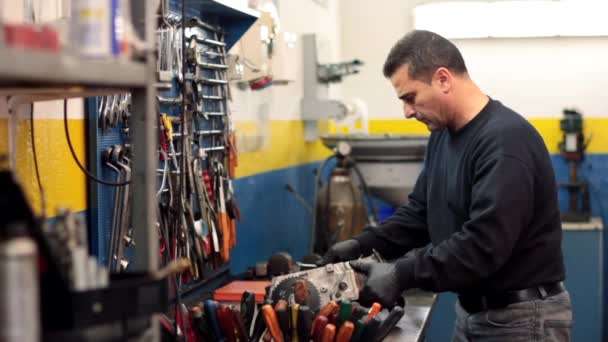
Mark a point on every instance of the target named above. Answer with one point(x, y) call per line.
point(280, 144)
point(596, 128)
point(63, 182)
point(283, 146)
point(273, 145)
point(397, 127)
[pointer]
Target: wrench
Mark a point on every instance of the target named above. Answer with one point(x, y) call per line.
point(122, 163)
point(101, 110)
point(115, 110)
point(108, 155)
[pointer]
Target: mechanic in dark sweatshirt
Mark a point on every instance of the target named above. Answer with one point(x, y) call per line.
point(483, 219)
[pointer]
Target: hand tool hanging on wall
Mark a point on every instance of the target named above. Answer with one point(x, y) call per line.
point(222, 215)
point(116, 158)
point(114, 110)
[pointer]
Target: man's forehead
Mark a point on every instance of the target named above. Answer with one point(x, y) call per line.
point(401, 80)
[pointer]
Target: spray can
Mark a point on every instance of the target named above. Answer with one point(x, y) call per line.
point(91, 27)
point(19, 290)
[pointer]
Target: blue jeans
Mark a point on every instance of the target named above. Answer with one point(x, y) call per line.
point(548, 319)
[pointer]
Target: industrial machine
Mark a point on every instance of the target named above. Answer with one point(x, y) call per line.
point(386, 166)
point(573, 149)
point(340, 207)
point(389, 163)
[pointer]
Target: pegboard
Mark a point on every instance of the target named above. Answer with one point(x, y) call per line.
point(104, 201)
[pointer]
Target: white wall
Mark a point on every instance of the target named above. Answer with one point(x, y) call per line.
point(282, 102)
point(539, 77)
point(368, 31)
point(536, 76)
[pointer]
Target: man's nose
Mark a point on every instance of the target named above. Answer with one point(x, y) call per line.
point(409, 111)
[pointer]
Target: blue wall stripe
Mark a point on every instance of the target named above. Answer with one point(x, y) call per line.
point(272, 218)
point(274, 221)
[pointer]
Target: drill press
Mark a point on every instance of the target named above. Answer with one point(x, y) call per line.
point(573, 148)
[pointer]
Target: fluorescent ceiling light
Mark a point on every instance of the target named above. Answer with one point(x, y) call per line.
point(532, 18)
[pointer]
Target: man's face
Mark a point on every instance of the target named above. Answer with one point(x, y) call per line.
point(422, 101)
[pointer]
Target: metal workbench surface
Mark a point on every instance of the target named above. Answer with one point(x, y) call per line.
point(418, 308)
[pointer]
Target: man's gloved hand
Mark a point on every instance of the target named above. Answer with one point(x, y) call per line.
point(342, 251)
point(382, 284)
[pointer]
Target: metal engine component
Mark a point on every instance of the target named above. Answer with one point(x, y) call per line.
point(316, 287)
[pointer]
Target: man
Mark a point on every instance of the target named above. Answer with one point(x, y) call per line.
point(483, 218)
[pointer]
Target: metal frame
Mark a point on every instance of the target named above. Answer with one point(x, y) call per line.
point(39, 76)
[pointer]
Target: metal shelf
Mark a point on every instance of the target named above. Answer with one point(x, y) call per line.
point(234, 18)
point(21, 69)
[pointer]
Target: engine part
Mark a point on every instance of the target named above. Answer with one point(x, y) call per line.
point(317, 287)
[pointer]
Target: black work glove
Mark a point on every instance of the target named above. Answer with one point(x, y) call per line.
point(382, 284)
point(342, 251)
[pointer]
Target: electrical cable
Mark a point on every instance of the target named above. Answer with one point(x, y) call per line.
point(41, 189)
point(314, 207)
point(87, 173)
point(366, 191)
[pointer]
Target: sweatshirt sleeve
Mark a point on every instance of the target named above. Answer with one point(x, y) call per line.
point(501, 204)
point(404, 230)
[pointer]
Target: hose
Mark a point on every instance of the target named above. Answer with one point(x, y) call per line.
point(314, 206)
point(374, 210)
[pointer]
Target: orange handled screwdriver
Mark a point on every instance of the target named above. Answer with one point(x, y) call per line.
point(270, 317)
point(329, 308)
point(329, 333)
point(376, 308)
point(346, 332)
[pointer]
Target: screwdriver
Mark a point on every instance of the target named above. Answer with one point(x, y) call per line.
point(346, 331)
point(225, 316)
point(237, 321)
point(329, 333)
point(186, 324)
point(258, 327)
point(375, 309)
point(333, 318)
point(359, 327)
point(371, 330)
point(357, 312)
point(294, 308)
point(200, 323)
point(247, 308)
point(305, 317)
point(283, 317)
point(328, 309)
point(318, 327)
point(270, 317)
point(211, 313)
point(389, 322)
point(344, 313)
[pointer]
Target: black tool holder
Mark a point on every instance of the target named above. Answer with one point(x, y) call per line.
point(121, 310)
point(113, 313)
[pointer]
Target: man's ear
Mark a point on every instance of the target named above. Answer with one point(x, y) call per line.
point(443, 79)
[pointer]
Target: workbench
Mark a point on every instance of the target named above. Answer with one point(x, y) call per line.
point(418, 308)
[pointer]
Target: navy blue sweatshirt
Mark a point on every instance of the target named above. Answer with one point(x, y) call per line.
point(483, 216)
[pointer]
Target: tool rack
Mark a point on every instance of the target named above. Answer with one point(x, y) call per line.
point(224, 25)
point(27, 76)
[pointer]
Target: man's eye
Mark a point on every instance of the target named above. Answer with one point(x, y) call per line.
point(410, 99)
